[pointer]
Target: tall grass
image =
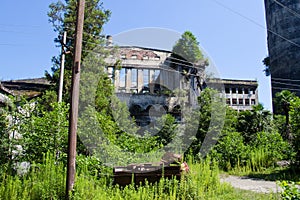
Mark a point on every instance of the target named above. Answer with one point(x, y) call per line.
point(258, 161)
point(43, 181)
point(47, 181)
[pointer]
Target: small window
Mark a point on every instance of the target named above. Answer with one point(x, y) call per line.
point(253, 91)
point(234, 101)
point(133, 56)
point(246, 91)
point(228, 101)
point(233, 90)
point(247, 103)
point(123, 56)
point(227, 90)
point(240, 91)
point(156, 58)
point(240, 101)
point(252, 101)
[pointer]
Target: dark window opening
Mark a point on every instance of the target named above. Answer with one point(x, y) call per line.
point(228, 101)
point(240, 91)
point(234, 101)
point(240, 101)
point(227, 90)
point(247, 103)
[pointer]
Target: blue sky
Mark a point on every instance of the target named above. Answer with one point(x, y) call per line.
point(232, 34)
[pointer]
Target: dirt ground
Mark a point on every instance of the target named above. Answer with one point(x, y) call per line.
point(252, 184)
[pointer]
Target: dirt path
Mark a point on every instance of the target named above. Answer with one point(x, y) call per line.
point(252, 184)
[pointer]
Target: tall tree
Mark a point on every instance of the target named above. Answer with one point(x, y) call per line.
point(252, 121)
point(62, 16)
point(283, 102)
point(188, 47)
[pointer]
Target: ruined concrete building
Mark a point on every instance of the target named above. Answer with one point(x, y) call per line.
point(29, 88)
point(283, 23)
point(241, 94)
point(147, 79)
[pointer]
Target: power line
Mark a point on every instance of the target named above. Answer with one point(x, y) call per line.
point(281, 88)
point(254, 22)
point(289, 84)
point(288, 9)
point(285, 79)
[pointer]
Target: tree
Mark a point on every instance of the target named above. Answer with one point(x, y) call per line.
point(295, 125)
point(266, 62)
point(210, 118)
point(43, 131)
point(283, 102)
point(252, 121)
point(63, 18)
point(188, 48)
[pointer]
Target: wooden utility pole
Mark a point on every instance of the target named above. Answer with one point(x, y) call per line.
point(62, 67)
point(74, 99)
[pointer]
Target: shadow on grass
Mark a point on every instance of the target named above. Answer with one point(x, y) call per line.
point(291, 173)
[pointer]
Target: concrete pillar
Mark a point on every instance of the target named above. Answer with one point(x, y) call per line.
point(110, 72)
point(151, 80)
point(117, 80)
point(128, 80)
point(140, 80)
point(230, 92)
point(243, 91)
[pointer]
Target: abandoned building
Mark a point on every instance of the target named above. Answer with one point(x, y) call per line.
point(283, 25)
point(149, 78)
point(240, 94)
point(29, 88)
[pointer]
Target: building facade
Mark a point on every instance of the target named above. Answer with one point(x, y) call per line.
point(283, 23)
point(241, 94)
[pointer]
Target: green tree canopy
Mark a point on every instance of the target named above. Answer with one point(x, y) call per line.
point(188, 48)
point(62, 16)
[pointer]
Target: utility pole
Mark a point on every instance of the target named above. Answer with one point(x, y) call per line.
point(74, 99)
point(62, 67)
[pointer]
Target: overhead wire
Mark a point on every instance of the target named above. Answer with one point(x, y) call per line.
point(288, 9)
point(285, 79)
point(289, 84)
point(256, 23)
point(284, 88)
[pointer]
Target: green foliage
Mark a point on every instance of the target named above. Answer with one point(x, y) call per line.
point(44, 181)
point(274, 145)
point(282, 105)
point(266, 62)
point(62, 15)
point(44, 131)
point(295, 125)
point(188, 48)
point(167, 129)
point(47, 181)
point(230, 151)
point(210, 119)
point(252, 121)
point(289, 191)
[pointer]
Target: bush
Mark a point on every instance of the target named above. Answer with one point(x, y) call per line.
point(289, 191)
point(230, 151)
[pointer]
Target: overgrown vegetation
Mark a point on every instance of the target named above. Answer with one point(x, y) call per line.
point(34, 134)
point(47, 181)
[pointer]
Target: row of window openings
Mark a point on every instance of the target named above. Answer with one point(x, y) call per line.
point(241, 102)
point(239, 91)
point(147, 77)
point(123, 56)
